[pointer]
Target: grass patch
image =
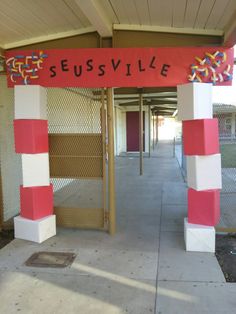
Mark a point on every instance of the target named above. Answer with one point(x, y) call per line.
point(228, 155)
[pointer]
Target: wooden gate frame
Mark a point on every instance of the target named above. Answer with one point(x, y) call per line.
point(98, 218)
point(111, 161)
point(1, 203)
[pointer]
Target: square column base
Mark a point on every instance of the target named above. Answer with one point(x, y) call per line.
point(199, 238)
point(35, 230)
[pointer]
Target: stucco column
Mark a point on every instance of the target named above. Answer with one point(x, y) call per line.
point(201, 147)
point(36, 221)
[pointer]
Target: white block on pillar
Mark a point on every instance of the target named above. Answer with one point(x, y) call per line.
point(35, 169)
point(30, 102)
point(204, 172)
point(199, 238)
point(194, 101)
point(35, 230)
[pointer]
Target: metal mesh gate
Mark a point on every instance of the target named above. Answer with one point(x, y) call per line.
point(76, 152)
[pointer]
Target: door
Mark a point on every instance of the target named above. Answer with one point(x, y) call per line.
point(132, 131)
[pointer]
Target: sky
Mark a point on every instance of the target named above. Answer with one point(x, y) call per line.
point(226, 95)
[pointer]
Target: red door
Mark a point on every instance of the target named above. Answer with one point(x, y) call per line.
point(132, 131)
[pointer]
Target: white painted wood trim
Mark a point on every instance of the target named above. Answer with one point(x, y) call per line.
point(44, 38)
point(175, 30)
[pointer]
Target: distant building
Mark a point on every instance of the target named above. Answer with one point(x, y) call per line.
point(226, 115)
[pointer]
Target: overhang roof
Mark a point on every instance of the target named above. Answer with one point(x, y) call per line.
point(23, 22)
point(223, 108)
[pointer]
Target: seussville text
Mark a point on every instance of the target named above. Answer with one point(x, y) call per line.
point(112, 65)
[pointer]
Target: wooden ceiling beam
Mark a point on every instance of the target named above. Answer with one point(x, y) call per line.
point(163, 110)
point(230, 33)
point(146, 90)
point(164, 107)
point(171, 30)
point(170, 105)
point(97, 16)
point(167, 111)
point(134, 103)
point(130, 38)
point(156, 97)
point(164, 102)
point(40, 41)
point(136, 91)
point(165, 114)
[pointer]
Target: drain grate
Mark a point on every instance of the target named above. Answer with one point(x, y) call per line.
point(51, 259)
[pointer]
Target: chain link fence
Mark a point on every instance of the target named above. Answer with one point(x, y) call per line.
point(226, 115)
point(74, 122)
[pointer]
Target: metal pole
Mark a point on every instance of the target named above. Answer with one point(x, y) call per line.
point(111, 161)
point(1, 203)
point(156, 129)
point(141, 134)
point(153, 131)
point(103, 119)
point(174, 146)
point(149, 131)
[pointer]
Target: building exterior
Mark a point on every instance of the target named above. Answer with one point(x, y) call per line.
point(84, 117)
point(226, 115)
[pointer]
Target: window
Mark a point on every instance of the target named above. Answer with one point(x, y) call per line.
point(228, 123)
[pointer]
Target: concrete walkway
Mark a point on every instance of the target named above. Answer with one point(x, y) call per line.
point(143, 269)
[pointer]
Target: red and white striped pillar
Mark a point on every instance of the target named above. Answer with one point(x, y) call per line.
point(36, 221)
point(201, 147)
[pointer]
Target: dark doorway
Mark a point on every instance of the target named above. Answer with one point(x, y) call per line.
point(132, 131)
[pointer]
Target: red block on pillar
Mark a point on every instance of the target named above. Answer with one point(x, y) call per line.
point(204, 207)
point(36, 202)
point(201, 137)
point(31, 136)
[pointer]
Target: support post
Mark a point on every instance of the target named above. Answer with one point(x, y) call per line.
point(174, 146)
point(233, 126)
point(149, 131)
point(36, 221)
point(153, 132)
point(111, 161)
point(103, 120)
point(156, 129)
point(203, 166)
point(141, 134)
point(1, 203)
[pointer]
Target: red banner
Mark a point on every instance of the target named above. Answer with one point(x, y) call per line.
point(120, 67)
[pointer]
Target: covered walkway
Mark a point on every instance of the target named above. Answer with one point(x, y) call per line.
point(144, 268)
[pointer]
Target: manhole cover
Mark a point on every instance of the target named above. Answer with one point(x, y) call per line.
point(50, 259)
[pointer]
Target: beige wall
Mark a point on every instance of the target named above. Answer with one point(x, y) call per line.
point(120, 130)
point(10, 161)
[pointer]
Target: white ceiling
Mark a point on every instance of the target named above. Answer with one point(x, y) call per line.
point(27, 21)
